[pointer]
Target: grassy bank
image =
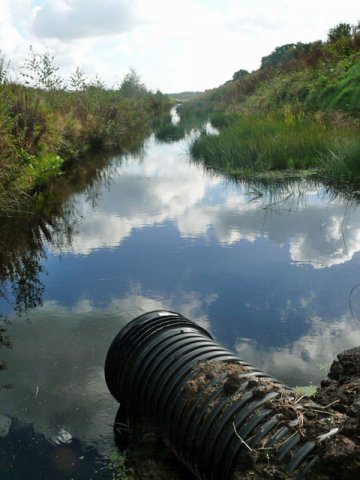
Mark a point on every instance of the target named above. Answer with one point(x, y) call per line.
point(47, 126)
point(255, 145)
point(300, 110)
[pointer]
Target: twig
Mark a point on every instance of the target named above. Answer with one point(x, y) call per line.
point(332, 403)
point(282, 200)
point(322, 411)
point(241, 440)
point(300, 398)
point(281, 444)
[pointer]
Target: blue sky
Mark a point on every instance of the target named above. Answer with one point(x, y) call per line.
point(175, 45)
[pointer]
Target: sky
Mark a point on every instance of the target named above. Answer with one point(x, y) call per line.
point(175, 45)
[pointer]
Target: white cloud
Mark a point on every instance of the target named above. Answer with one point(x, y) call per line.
point(187, 45)
point(70, 19)
point(307, 360)
point(14, 15)
point(318, 233)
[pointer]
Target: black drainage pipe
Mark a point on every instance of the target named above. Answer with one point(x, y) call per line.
point(204, 398)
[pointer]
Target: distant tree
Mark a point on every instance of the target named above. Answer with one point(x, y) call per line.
point(356, 35)
point(4, 68)
point(40, 71)
point(285, 54)
point(97, 83)
point(131, 86)
point(340, 31)
point(78, 80)
point(278, 55)
point(240, 74)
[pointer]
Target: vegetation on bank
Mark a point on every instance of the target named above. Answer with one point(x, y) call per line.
point(256, 145)
point(299, 110)
point(45, 124)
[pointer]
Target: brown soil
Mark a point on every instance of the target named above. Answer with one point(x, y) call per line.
point(148, 458)
point(335, 405)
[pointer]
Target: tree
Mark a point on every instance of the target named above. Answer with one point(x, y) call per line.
point(342, 30)
point(40, 71)
point(131, 86)
point(278, 55)
point(78, 80)
point(4, 68)
point(240, 74)
point(97, 83)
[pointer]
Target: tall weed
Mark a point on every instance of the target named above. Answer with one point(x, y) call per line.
point(340, 164)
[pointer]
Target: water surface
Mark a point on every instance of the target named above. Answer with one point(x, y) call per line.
point(273, 273)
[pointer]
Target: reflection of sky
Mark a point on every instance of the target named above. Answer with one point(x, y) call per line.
point(269, 276)
point(309, 357)
point(143, 193)
point(166, 225)
point(56, 366)
point(163, 187)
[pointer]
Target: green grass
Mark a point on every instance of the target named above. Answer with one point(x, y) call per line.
point(296, 113)
point(252, 146)
point(167, 132)
point(344, 92)
point(340, 165)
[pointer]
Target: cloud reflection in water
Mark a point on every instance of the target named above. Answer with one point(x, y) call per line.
point(57, 368)
point(163, 187)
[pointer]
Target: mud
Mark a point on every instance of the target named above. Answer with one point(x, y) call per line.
point(147, 456)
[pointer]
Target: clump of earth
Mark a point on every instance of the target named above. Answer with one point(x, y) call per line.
point(330, 419)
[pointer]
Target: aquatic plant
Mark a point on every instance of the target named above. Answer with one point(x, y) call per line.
point(340, 164)
point(264, 144)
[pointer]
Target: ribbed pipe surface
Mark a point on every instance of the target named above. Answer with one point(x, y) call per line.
point(148, 368)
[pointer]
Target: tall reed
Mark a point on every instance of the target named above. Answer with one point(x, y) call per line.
point(254, 144)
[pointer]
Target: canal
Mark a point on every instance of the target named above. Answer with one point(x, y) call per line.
point(272, 271)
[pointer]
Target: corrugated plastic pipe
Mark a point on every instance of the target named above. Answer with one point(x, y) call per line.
point(149, 368)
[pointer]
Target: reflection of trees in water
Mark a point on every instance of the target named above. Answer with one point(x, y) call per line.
point(4, 342)
point(53, 219)
point(21, 252)
point(23, 238)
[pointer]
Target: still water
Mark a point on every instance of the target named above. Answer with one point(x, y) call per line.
point(273, 273)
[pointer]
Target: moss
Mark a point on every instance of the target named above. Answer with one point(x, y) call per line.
point(308, 390)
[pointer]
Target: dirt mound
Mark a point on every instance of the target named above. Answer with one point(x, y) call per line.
point(330, 421)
